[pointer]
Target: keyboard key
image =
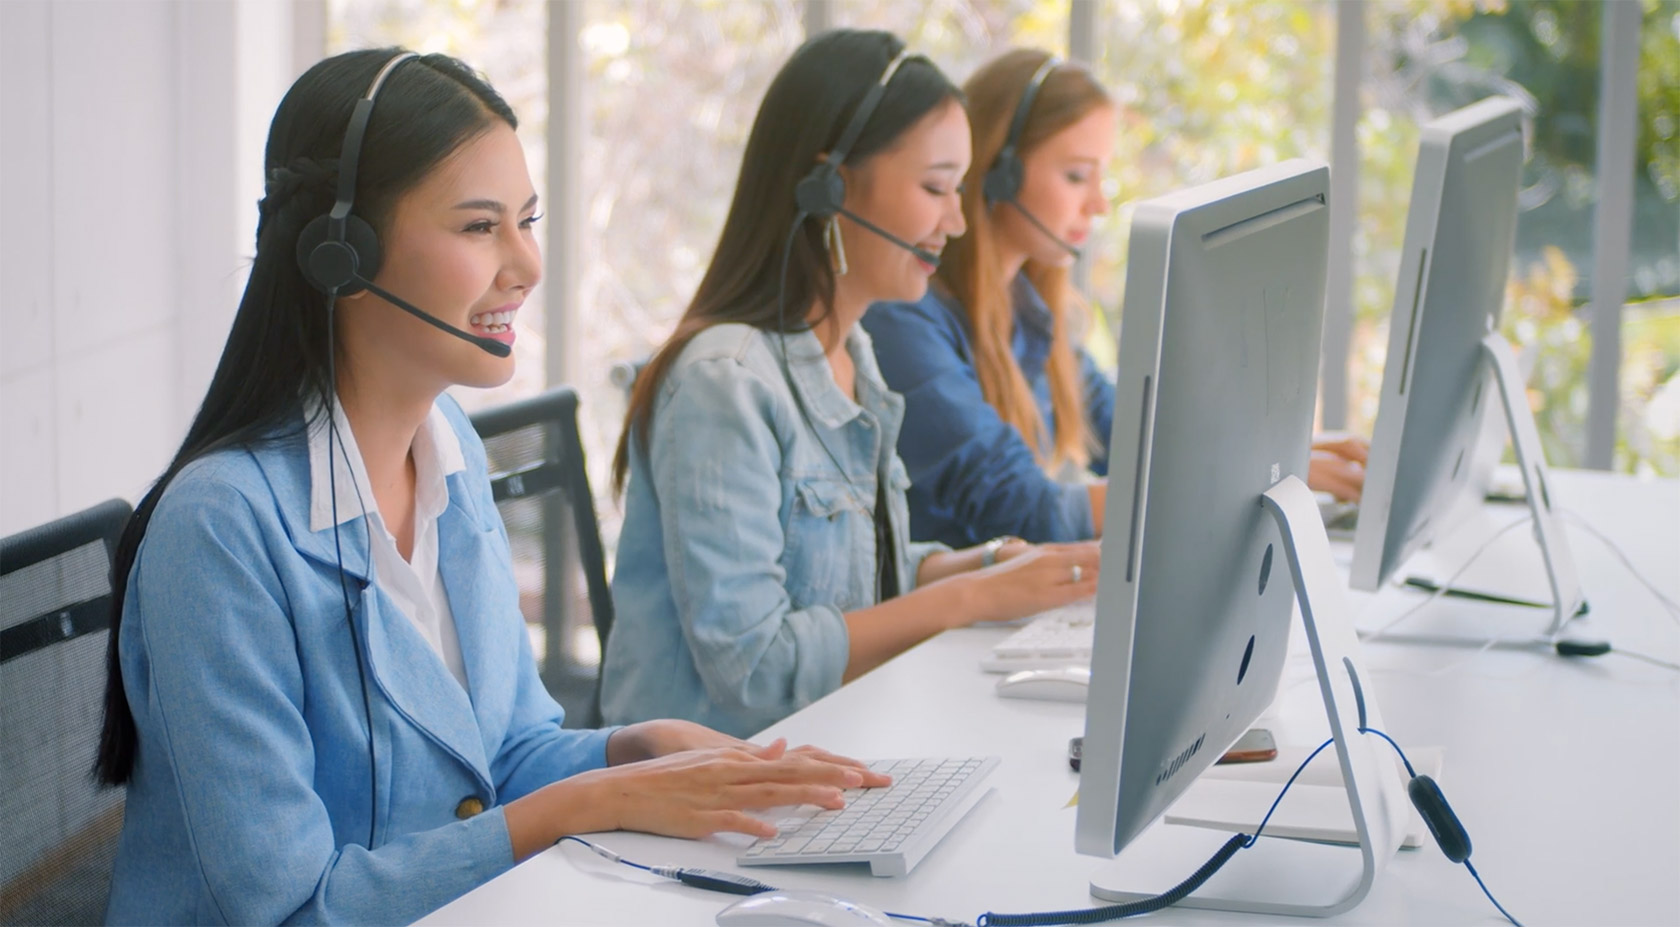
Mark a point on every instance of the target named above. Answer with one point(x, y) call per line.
point(926, 799)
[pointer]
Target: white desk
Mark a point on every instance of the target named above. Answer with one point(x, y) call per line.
point(1566, 773)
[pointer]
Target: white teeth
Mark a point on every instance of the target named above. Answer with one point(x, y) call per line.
point(493, 321)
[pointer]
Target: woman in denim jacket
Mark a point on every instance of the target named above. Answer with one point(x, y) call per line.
point(766, 555)
point(1007, 419)
point(322, 698)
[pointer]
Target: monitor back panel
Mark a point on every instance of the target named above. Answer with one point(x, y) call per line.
point(1457, 255)
point(1218, 378)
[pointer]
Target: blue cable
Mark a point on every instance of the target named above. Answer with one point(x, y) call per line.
point(1473, 873)
point(1408, 763)
point(713, 880)
point(1478, 877)
point(701, 878)
point(1279, 800)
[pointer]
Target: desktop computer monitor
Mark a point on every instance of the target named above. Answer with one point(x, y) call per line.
point(1211, 538)
point(1218, 376)
point(1443, 371)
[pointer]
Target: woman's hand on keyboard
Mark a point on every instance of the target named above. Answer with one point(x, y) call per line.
point(697, 792)
point(652, 739)
point(871, 778)
point(1032, 580)
point(1337, 466)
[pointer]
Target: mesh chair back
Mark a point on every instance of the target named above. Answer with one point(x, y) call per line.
point(542, 491)
point(58, 827)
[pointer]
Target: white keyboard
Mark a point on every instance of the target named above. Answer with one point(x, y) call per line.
point(889, 828)
point(1059, 637)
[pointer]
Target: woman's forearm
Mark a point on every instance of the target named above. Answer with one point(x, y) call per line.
point(881, 632)
point(581, 804)
point(935, 567)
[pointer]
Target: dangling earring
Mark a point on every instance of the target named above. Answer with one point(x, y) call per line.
point(835, 244)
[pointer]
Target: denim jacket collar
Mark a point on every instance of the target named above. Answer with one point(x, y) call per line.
point(827, 405)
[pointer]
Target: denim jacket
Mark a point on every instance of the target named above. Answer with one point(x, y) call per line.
point(744, 540)
point(973, 476)
point(249, 802)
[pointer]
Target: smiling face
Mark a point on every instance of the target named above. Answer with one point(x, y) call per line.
point(1062, 188)
point(458, 246)
point(912, 190)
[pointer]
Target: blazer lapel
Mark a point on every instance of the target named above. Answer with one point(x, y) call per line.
point(485, 600)
point(413, 678)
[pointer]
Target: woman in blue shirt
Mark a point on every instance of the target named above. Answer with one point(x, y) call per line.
point(766, 556)
point(1006, 418)
point(322, 699)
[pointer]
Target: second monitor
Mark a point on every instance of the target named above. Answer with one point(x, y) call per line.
point(1447, 366)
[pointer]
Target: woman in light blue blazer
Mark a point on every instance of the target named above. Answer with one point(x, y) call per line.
point(322, 699)
point(766, 555)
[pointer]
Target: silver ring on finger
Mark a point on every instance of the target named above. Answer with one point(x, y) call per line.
point(1078, 573)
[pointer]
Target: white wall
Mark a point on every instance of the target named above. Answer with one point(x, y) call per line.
point(128, 178)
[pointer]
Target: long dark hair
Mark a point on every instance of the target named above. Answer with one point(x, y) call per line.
point(806, 108)
point(276, 352)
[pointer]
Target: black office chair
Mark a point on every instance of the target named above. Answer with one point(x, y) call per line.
point(58, 826)
point(542, 491)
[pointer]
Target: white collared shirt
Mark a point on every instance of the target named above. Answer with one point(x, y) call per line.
point(415, 586)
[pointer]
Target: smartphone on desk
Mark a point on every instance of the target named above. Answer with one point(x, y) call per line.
point(1256, 746)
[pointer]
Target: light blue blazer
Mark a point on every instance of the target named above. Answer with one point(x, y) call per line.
point(250, 800)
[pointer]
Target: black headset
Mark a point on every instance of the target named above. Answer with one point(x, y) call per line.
point(821, 194)
point(338, 253)
point(1002, 183)
point(338, 250)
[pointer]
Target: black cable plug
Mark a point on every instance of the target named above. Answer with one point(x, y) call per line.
point(712, 880)
point(1575, 647)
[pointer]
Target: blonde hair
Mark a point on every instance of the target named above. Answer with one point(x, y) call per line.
point(969, 268)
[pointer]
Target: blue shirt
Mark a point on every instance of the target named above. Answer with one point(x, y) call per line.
point(249, 802)
point(749, 530)
point(972, 475)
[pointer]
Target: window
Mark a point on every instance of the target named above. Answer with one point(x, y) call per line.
point(961, 35)
point(1205, 90)
point(1426, 60)
point(671, 88)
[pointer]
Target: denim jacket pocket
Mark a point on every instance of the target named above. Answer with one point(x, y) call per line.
point(828, 534)
point(898, 509)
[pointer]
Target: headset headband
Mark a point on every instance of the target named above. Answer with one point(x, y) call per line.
point(1019, 123)
point(865, 109)
point(352, 151)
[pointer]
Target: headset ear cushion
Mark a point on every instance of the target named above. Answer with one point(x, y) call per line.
point(331, 265)
point(1003, 182)
point(821, 193)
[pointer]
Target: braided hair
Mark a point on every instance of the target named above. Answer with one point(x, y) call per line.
point(300, 181)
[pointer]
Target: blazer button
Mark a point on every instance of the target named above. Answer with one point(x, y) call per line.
point(468, 807)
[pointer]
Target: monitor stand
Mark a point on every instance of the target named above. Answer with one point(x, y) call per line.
point(1278, 875)
point(1565, 583)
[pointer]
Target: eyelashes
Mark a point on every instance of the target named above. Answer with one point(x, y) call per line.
point(485, 226)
